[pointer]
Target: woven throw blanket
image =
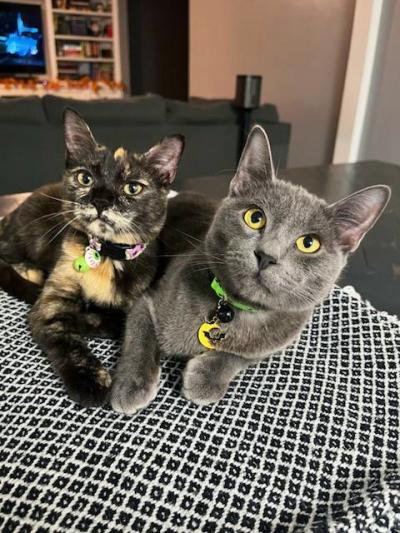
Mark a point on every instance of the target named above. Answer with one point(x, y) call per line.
point(306, 441)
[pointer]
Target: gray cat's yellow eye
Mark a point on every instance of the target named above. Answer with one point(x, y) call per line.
point(255, 218)
point(84, 179)
point(308, 244)
point(133, 188)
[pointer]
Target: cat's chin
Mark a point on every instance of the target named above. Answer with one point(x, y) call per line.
point(102, 230)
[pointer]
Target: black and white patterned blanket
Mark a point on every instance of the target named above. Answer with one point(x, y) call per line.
point(307, 441)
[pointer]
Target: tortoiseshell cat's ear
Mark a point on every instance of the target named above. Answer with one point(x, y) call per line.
point(79, 141)
point(164, 157)
point(356, 214)
point(255, 167)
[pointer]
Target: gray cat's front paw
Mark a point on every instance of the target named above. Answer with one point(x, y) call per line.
point(200, 384)
point(128, 396)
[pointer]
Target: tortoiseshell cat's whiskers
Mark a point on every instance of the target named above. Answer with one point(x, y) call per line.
point(63, 228)
point(52, 228)
point(63, 200)
point(53, 215)
point(56, 225)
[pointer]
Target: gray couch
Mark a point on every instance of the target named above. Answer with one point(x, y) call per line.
point(31, 134)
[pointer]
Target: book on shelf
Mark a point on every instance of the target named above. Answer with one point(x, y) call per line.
point(75, 25)
point(79, 4)
point(78, 26)
point(77, 71)
point(83, 5)
point(70, 50)
point(84, 49)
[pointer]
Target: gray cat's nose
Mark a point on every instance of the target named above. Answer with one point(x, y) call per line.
point(264, 260)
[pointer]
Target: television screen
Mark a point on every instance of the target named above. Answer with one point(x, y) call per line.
point(21, 39)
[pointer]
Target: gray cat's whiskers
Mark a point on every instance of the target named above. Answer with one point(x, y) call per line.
point(195, 247)
point(185, 234)
point(207, 265)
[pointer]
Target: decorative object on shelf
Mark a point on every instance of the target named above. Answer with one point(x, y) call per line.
point(57, 85)
point(108, 30)
point(94, 28)
point(59, 4)
point(100, 5)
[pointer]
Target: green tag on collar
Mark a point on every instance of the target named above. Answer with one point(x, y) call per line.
point(221, 293)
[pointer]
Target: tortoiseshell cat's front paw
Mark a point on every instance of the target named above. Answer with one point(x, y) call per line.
point(128, 396)
point(201, 384)
point(87, 385)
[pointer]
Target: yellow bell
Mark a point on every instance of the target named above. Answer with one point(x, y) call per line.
point(201, 334)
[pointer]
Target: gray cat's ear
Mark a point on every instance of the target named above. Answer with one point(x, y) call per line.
point(255, 166)
point(79, 140)
point(165, 156)
point(356, 214)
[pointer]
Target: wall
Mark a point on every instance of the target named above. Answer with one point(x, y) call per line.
point(299, 47)
point(382, 136)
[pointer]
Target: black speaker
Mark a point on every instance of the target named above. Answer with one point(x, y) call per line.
point(248, 91)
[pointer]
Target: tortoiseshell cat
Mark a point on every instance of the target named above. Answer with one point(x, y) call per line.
point(94, 236)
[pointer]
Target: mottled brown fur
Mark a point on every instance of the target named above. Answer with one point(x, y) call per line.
point(50, 230)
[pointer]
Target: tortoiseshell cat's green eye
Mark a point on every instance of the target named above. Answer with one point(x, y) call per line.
point(84, 179)
point(133, 189)
point(308, 244)
point(255, 218)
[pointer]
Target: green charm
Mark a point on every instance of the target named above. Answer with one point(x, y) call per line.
point(221, 293)
point(80, 264)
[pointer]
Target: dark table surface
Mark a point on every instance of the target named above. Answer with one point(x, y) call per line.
point(374, 269)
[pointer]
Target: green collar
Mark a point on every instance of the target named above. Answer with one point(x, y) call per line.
point(221, 293)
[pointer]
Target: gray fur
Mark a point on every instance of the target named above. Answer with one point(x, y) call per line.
point(284, 294)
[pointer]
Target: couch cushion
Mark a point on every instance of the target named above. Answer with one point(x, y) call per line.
point(137, 110)
point(22, 110)
point(201, 111)
point(265, 113)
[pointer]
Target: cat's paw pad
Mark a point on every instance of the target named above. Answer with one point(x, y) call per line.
point(86, 385)
point(128, 396)
point(199, 384)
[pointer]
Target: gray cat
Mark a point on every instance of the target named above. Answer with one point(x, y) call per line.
point(271, 254)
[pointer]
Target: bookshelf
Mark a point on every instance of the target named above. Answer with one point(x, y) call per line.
point(83, 12)
point(83, 42)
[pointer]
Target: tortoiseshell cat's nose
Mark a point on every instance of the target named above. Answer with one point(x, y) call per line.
point(100, 204)
point(264, 260)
